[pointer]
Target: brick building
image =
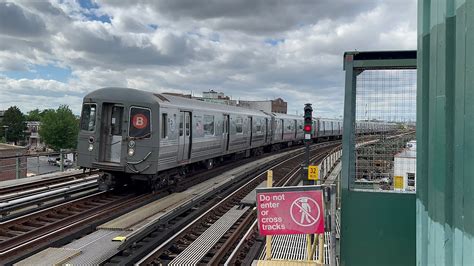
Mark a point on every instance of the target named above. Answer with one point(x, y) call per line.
point(32, 134)
point(8, 161)
point(270, 106)
point(275, 106)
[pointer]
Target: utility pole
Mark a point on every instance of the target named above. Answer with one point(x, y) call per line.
point(308, 126)
point(5, 128)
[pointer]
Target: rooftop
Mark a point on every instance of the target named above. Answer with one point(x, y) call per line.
point(4, 146)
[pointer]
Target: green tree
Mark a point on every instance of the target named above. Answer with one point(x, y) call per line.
point(59, 128)
point(14, 122)
point(34, 115)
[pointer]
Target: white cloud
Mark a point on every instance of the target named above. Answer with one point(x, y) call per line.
point(196, 46)
point(38, 93)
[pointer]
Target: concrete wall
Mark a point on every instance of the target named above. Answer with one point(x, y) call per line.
point(8, 162)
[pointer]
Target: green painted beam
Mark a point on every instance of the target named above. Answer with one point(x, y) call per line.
point(386, 64)
point(445, 139)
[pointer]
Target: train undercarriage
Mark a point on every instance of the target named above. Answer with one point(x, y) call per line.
point(172, 179)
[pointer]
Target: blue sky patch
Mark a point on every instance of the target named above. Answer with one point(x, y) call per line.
point(88, 4)
point(153, 26)
point(92, 7)
point(274, 42)
point(215, 37)
point(41, 72)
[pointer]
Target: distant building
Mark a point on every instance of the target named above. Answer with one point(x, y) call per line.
point(32, 134)
point(8, 161)
point(275, 106)
point(216, 97)
point(211, 94)
point(178, 94)
point(405, 166)
point(270, 106)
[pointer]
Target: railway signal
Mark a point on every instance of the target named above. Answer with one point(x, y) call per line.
point(308, 118)
point(308, 125)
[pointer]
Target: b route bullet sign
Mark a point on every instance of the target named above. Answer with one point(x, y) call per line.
point(290, 210)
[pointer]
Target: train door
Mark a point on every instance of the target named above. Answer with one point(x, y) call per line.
point(251, 130)
point(225, 132)
point(266, 130)
point(184, 138)
point(296, 128)
point(111, 138)
point(282, 129)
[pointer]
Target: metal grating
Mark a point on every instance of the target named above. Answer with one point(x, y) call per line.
point(386, 109)
point(293, 248)
point(199, 248)
point(287, 247)
point(94, 248)
point(50, 256)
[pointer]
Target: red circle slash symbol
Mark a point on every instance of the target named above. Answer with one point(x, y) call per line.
point(139, 121)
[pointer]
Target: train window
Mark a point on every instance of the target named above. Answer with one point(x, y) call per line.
point(164, 126)
point(239, 125)
point(258, 126)
point(140, 123)
point(208, 125)
point(116, 121)
point(88, 117)
point(181, 119)
point(411, 179)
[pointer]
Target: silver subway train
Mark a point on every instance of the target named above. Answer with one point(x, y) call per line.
point(155, 139)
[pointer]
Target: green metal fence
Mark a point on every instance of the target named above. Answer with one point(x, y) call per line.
point(379, 159)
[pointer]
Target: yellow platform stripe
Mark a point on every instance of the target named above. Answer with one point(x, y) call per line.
point(119, 238)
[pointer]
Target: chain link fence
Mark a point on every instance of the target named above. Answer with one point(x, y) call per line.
point(386, 109)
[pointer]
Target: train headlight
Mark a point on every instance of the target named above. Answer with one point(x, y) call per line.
point(131, 144)
point(91, 147)
point(131, 152)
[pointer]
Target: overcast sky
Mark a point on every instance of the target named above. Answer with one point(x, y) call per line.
point(53, 53)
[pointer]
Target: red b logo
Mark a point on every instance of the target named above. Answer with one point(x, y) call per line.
point(140, 121)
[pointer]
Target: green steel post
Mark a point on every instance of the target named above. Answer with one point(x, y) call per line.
point(348, 144)
point(62, 160)
point(17, 167)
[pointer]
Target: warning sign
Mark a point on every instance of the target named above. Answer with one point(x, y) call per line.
point(313, 172)
point(290, 210)
point(398, 182)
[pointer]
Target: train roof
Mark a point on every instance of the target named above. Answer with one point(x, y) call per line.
point(121, 95)
point(185, 103)
point(139, 96)
point(287, 116)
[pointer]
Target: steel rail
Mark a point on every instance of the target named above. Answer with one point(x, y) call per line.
point(63, 227)
point(293, 172)
point(62, 176)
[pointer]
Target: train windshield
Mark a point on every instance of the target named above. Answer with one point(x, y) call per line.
point(88, 117)
point(140, 123)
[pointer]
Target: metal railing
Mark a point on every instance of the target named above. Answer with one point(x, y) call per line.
point(26, 165)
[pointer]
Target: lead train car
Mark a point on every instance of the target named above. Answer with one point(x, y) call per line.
point(138, 135)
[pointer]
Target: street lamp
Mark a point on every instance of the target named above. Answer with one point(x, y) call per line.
point(5, 128)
